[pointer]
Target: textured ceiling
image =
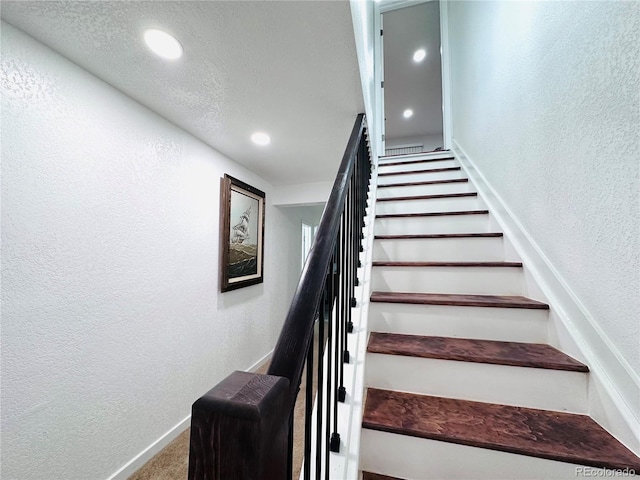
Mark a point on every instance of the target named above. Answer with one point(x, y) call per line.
point(286, 68)
point(408, 84)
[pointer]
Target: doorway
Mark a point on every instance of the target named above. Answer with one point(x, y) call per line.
point(411, 60)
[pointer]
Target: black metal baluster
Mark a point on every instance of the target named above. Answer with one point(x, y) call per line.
point(334, 444)
point(329, 372)
point(308, 409)
point(343, 300)
point(355, 220)
point(361, 207)
point(290, 452)
point(321, 349)
point(345, 281)
point(361, 204)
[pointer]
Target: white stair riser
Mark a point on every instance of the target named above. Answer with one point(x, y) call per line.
point(420, 177)
point(418, 458)
point(483, 323)
point(467, 280)
point(444, 224)
point(439, 249)
point(413, 156)
point(433, 189)
point(430, 205)
point(428, 189)
point(507, 385)
point(417, 166)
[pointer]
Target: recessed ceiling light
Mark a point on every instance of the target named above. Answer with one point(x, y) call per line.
point(162, 44)
point(419, 55)
point(260, 138)
point(407, 113)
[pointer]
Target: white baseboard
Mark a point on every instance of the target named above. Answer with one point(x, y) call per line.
point(148, 453)
point(614, 392)
point(260, 363)
point(156, 447)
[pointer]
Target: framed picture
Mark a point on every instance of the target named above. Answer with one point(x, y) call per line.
point(241, 234)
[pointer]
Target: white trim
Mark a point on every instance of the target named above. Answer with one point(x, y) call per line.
point(156, 447)
point(445, 69)
point(148, 453)
point(256, 366)
point(377, 79)
point(358, 389)
point(615, 385)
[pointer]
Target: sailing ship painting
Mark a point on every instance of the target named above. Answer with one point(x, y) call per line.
point(241, 234)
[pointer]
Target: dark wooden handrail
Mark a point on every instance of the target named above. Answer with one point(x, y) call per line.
point(291, 349)
point(242, 428)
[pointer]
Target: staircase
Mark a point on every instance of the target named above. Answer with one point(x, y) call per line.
point(461, 380)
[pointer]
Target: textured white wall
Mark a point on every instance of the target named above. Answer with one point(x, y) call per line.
point(546, 103)
point(112, 324)
point(302, 193)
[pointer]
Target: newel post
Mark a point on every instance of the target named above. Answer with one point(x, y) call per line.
point(240, 429)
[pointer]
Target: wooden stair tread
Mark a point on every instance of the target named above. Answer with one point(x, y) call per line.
point(448, 264)
point(433, 214)
point(517, 354)
point(429, 182)
point(552, 435)
point(408, 162)
point(438, 235)
point(377, 476)
point(409, 172)
point(429, 197)
point(503, 301)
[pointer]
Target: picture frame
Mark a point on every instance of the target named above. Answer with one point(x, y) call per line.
point(242, 212)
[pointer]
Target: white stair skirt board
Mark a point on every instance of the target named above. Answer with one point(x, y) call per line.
point(414, 458)
point(429, 205)
point(614, 402)
point(434, 189)
point(482, 323)
point(508, 385)
point(478, 249)
point(420, 177)
point(466, 280)
point(382, 168)
point(414, 156)
point(444, 224)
